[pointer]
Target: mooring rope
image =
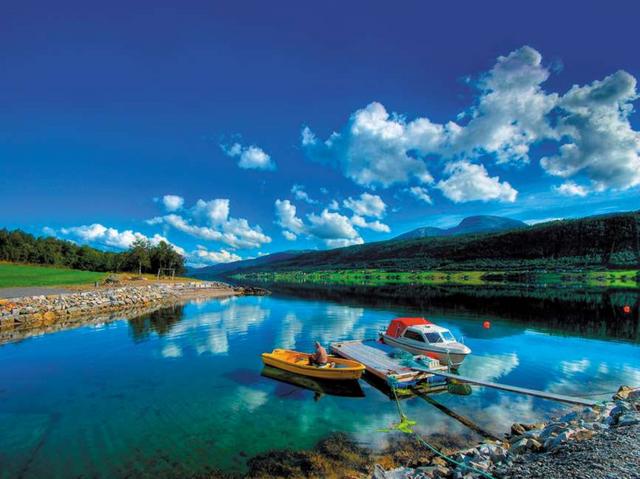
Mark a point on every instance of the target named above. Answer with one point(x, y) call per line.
point(405, 426)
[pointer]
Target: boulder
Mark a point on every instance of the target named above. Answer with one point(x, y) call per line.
point(583, 434)
point(628, 419)
point(519, 446)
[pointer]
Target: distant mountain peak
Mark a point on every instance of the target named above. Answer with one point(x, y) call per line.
point(470, 224)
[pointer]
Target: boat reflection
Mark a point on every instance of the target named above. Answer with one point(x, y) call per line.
point(318, 386)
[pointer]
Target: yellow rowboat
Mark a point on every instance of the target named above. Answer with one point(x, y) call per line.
point(298, 363)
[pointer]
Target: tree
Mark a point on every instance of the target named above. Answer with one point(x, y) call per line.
point(163, 255)
point(139, 254)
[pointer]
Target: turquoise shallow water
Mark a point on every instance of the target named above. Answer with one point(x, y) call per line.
point(180, 392)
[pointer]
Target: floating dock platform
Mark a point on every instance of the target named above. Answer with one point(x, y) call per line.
point(378, 361)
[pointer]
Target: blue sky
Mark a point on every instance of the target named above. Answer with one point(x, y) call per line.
point(244, 128)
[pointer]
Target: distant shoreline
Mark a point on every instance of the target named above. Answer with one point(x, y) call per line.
point(581, 278)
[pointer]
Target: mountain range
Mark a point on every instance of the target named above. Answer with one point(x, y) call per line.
point(471, 224)
point(607, 241)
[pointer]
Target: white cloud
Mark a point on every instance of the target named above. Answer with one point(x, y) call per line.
point(251, 157)
point(376, 148)
point(202, 256)
point(420, 193)
point(330, 225)
point(289, 236)
point(376, 225)
point(511, 111)
point(333, 228)
point(300, 194)
point(343, 242)
point(172, 202)
point(570, 188)
point(471, 182)
point(287, 219)
point(214, 212)
point(602, 144)
point(541, 220)
point(367, 205)
point(97, 234)
point(590, 124)
point(210, 220)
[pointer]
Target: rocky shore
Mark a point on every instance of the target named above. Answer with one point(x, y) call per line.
point(588, 443)
point(37, 311)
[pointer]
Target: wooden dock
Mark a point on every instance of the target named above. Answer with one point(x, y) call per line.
point(378, 361)
point(518, 390)
point(376, 358)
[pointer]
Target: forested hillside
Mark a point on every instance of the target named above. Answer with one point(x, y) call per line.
point(610, 241)
point(20, 247)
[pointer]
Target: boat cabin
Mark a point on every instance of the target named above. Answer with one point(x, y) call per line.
point(420, 330)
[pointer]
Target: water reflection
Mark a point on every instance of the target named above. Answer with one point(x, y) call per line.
point(208, 331)
point(159, 322)
point(592, 313)
point(179, 391)
point(490, 367)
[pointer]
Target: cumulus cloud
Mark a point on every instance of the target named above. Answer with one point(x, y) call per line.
point(420, 193)
point(367, 205)
point(289, 236)
point(470, 182)
point(300, 194)
point(210, 220)
point(375, 148)
point(330, 226)
point(250, 157)
point(172, 202)
point(570, 188)
point(602, 144)
point(203, 257)
point(287, 219)
point(512, 112)
point(376, 225)
point(343, 242)
point(100, 235)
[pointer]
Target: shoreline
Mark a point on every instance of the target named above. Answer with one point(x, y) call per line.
point(20, 316)
point(591, 443)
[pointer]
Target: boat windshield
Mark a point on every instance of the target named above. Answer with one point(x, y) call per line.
point(434, 337)
point(448, 337)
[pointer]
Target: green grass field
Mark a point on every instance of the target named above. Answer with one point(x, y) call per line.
point(20, 275)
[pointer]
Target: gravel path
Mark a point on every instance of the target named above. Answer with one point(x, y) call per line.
point(613, 454)
point(31, 291)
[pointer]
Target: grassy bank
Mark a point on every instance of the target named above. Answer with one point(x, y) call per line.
point(377, 277)
point(22, 275)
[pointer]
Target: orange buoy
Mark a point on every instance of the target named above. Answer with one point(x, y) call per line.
point(626, 309)
point(486, 325)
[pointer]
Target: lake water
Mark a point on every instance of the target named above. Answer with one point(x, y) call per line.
point(180, 391)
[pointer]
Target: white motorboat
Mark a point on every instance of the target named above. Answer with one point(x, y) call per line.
point(421, 336)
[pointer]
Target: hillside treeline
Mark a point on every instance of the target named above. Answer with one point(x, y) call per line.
point(608, 241)
point(20, 247)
